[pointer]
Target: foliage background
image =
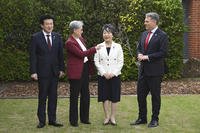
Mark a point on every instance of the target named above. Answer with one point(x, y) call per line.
point(19, 20)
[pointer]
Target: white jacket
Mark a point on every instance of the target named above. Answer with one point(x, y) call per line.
point(111, 63)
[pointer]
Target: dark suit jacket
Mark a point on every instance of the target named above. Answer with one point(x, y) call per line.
point(75, 57)
point(43, 61)
point(156, 51)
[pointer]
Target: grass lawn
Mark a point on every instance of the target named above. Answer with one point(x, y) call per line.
point(179, 114)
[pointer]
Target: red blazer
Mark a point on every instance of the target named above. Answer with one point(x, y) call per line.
point(75, 57)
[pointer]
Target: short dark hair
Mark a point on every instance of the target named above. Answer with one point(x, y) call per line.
point(44, 17)
point(109, 28)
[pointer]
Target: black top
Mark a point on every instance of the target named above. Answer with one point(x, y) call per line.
point(108, 50)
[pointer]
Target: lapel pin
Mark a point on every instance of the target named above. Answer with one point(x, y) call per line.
point(53, 36)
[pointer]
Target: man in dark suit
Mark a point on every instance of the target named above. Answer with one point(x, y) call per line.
point(151, 51)
point(46, 66)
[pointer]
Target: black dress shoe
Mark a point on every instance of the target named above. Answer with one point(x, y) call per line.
point(85, 122)
point(138, 122)
point(74, 124)
point(153, 123)
point(55, 124)
point(40, 125)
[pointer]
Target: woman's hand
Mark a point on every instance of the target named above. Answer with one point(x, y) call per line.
point(108, 75)
point(98, 46)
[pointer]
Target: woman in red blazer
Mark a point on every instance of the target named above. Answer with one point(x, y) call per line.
point(78, 73)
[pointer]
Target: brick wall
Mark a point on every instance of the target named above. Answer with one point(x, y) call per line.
point(194, 29)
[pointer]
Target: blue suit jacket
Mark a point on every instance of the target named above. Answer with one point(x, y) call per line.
point(156, 51)
point(43, 61)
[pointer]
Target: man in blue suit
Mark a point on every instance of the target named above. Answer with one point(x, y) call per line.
point(46, 66)
point(151, 51)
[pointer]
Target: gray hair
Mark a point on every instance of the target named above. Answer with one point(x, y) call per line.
point(153, 15)
point(75, 25)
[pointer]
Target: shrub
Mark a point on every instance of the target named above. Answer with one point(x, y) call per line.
point(19, 19)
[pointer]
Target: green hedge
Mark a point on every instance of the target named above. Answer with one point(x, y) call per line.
point(19, 19)
point(14, 65)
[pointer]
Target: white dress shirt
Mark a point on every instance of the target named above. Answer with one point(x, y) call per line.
point(82, 47)
point(45, 35)
point(152, 32)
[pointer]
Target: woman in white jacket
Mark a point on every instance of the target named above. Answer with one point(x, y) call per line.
point(109, 61)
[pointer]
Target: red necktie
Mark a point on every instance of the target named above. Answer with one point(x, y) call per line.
point(147, 40)
point(48, 42)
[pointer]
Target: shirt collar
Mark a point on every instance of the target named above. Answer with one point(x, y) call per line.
point(46, 33)
point(152, 31)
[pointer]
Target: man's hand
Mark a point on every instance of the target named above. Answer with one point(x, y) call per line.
point(34, 76)
point(142, 57)
point(61, 74)
point(145, 57)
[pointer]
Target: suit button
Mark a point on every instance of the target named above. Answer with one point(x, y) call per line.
point(107, 59)
point(107, 64)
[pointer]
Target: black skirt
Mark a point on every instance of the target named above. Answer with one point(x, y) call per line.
point(109, 89)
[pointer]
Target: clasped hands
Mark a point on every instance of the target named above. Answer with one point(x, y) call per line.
point(142, 57)
point(108, 75)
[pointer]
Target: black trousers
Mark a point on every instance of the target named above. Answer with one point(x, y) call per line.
point(47, 89)
point(145, 85)
point(80, 86)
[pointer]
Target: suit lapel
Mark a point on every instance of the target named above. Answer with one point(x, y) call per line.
point(43, 40)
point(153, 38)
point(76, 43)
point(112, 49)
point(104, 50)
point(82, 40)
point(53, 38)
point(144, 38)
